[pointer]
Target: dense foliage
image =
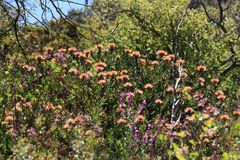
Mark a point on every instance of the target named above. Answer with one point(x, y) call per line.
point(159, 90)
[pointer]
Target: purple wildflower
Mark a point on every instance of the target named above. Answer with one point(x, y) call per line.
point(136, 134)
point(202, 102)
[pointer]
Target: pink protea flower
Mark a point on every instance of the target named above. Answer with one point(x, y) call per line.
point(221, 97)
point(166, 58)
point(70, 121)
point(112, 45)
point(102, 82)
point(128, 85)
point(170, 89)
point(9, 118)
point(161, 53)
point(72, 49)
point(201, 68)
point(142, 61)
point(101, 64)
point(49, 49)
point(80, 55)
point(188, 110)
point(121, 121)
point(138, 91)
point(98, 68)
point(158, 101)
point(49, 106)
point(214, 80)
point(201, 81)
point(127, 50)
point(148, 86)
point(18, 107)
point(29, 105)
point(122, 77)
point(136, 54)
point(179, 62)
point(218, 92)
point(99, 46)
point(62, 50)
point(224, 116)
point(139, 118)
point(236, 112)
point(86, 75)
point(154, 63)
point(124, 72)
point(73, 70)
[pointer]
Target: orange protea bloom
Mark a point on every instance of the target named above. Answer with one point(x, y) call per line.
point(109, 73)
point(136, 54)
point(184, 75)
point(124, 72)
point(39, 56)
point(88, 51)
point(9, 118)
point(201, 81)
point(28, 68)
point(170, 89)
point(138, 91)
point(66, 126)
point(214, 80)
point(102, 82)
point(154, 63)
point(29, 105)
point(112, 45)
point(72, 49)
point(128, 84)
point(201, 68)
point(118, 57)
point(79, 119)
point(166, 58)
point(62, 50)
point(114, 73)
point(189, 110)
point(80, 55)
point(218, 92)
point(122, 77)
point(237, 112)
point(121, 121)
point(98, 68)
point(105, 50)
point(161, 53)
point(73, 70)
point(139, 118)
point(148, 86)
point(158, 101)
point(70, 121)
point(49, 106)
point(221, 97)
point(172, 56)
point(127, 50)
point(209, 108)
point(86, 75)
point(88, 61)
point(179, 62)
point(142, 61)
point(18, 107)
point(189, 118)
point(101, 64)
point(224, 116)
point(99, 46)
point(48, 49)
point(101, 74)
